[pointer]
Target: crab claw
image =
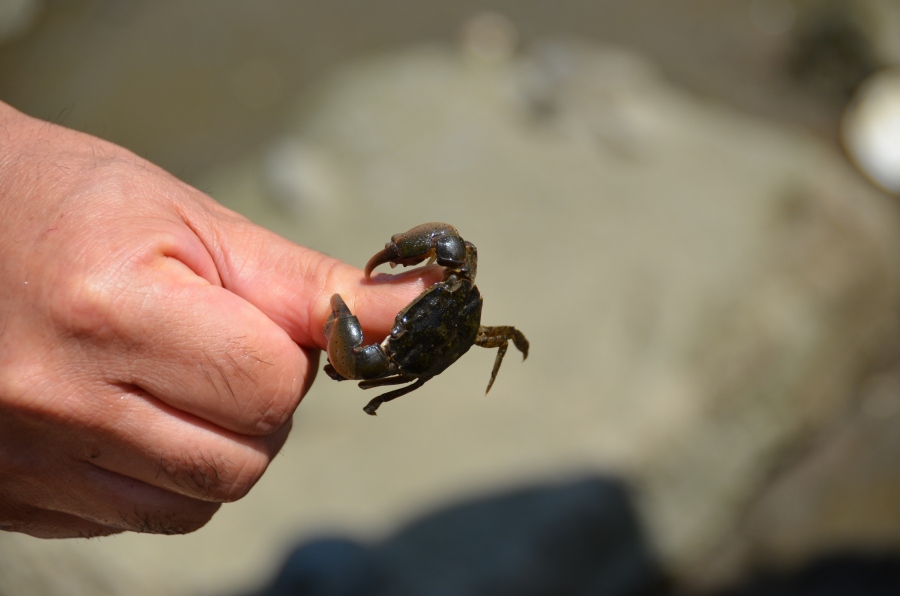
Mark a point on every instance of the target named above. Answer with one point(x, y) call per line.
point(439, 241)
point(347, 356)
point(390, 254)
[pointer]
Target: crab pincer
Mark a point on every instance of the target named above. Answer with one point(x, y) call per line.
point(431, 333)
point(434, 241)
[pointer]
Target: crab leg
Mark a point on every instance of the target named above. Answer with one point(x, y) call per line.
point(499, 337)
point(394, 380)
point(373, 405)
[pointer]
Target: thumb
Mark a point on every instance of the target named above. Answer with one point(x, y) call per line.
point(293, 285)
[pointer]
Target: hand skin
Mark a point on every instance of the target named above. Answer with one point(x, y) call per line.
point(153, 344)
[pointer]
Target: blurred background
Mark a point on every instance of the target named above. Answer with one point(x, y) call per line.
point(689, 207)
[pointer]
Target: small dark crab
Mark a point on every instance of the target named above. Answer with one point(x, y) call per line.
point(431, 333)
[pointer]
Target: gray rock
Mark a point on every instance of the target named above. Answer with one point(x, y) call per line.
point(703, 291)
point(577, 538)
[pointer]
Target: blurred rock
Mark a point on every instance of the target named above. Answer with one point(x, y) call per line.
point(835, 46)
point(871, 129)
point(703, 291)
point(329, 567)
point(848, 52)
point(840, 496)
point(578, 538)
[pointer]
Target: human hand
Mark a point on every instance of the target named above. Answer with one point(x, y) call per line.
point(153, 344)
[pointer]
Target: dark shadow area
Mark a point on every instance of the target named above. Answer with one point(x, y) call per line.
point(579, 538)
point(576, 538)
point(838, 574)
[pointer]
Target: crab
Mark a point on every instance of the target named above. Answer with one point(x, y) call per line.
point(431, 333)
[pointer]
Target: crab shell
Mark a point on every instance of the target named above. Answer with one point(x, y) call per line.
point(436, 328)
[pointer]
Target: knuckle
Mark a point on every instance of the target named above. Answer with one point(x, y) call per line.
point(277, 398)
point(214, 477)
point(87, 306)
point(243, 478)
point(266, 383)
